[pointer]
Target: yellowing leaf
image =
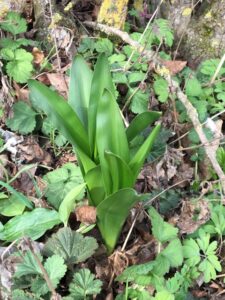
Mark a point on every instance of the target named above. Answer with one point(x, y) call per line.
point(186, 12)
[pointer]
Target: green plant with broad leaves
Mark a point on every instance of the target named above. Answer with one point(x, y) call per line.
point(92, 122)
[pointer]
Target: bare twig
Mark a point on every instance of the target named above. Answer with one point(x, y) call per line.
point(175, 89)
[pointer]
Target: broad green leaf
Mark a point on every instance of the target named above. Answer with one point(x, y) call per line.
point(174, 253)
point(139, 102)
point(95, 187)
point(24, 200)
point(14, 23)
point(161, 230)
point(61, 181)
point(14, 44)
point(23, 119)
point(68, 203)
point(164, 295)
point(11, 206)
point(21, 295)
point(161, 89)
point(191, 252)
point(140, 122)
point(120, 173)
point(101, 80)
point(79, 88)
point(20, 68)
point(110, 135)
point(134, 77)
point(141, 154)
point(193, 87)
point(130, 273)
point(32, 224)
point(7, 54)
point(112, 213)
point(104, 46)
point(84, 284)
point(60, 113)
point(72, 246)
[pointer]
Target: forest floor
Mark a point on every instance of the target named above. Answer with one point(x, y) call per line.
point(171, 246)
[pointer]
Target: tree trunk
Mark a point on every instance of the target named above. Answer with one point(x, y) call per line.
point(199, 27)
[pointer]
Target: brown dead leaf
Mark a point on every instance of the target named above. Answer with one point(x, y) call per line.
point(118, 262)
point(29, 151)
point(174, 66)
point(21, 94)
point(86, 214)
point(38, 55)
point(193, 215)
point(60, 82)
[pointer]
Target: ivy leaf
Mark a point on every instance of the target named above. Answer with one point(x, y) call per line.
point(28, 266)
point(161, 89)
point(104, 46)
point(84, 284)
point(161, 230)
point(193, 87)
point(20, 68)
point(23, 119)
point(61, 181)
point(14, 23)
point(71, 246)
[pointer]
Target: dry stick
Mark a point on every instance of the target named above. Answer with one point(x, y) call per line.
point(55, 296)
point(192, 113)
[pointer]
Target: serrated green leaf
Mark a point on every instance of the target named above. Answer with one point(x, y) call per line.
point(55, 268)
point(84, 285)
point(7, 54)
point(68, 203)
point(208, 67)
point(71, 246)
point(32, 224)
point(191, 252)
point(193, 87)
point(86, 44)
point(14, 44)
point(104, 46)
point(139, 103)
point(23, 119)
point(130, 273)
point(161, 230)
point(61, 181)
point(174, 253)
point(14, 23)
point(136, 77)
point(20, 68)
point(164, 295)
point(29, 265)
point(21, 295)
point(161, 89)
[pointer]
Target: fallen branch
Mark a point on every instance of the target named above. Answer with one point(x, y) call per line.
point(174, 87)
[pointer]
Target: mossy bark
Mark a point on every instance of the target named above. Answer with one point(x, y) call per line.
point(200, 28)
